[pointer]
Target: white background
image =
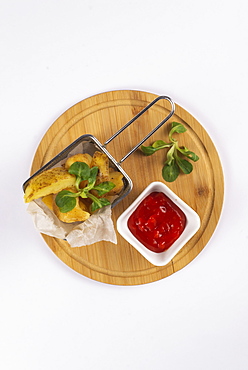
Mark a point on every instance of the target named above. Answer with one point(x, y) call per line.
point(55, 53)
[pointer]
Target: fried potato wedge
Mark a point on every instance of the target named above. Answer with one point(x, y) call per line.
point(81, 157)
point(48, 200)
point(75, 215)
point(101, 161)
point(48, 182)
point(78, 213)
point(116, 177)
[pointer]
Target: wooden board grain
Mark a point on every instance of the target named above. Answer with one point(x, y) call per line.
point(203, 190)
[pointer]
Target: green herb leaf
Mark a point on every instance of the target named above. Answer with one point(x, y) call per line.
point(191, 155)
point(104, 187)
point(157, 145)
point(92, 176)
point(170, 171)
point(178, 128)
point(160, 144)
point(148, 150)
point(102, 203)
point(83, 194)
point(91, 179)
point(97, 202)
point(184, 165)
point(170, 155)
point(66, 200)
point(80, 169)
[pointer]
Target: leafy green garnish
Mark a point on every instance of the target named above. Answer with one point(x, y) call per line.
point(97, 202)
point(66, 200)
point(81, 170)
point(170, 171)
point(174, 162)
point(149, 150)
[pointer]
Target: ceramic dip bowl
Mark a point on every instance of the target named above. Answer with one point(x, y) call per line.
point(191, 225)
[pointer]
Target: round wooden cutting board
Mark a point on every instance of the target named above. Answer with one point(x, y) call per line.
point(203, 190)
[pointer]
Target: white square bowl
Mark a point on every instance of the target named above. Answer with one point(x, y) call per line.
point(191, 227)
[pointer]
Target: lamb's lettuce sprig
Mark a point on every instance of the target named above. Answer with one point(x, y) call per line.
point(174, 162)
point(66, 199)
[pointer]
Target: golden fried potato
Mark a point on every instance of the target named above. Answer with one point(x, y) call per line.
point(85, 204)
point(48, 182)
point(78, 213)
point(48, 200)
point(75, 215)
point(102, 162)
point(116, 178)
point(81, 157)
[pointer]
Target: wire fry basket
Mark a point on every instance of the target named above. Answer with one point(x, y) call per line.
point(90, 144)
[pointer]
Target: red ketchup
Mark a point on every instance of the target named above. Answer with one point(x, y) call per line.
point(157, 222)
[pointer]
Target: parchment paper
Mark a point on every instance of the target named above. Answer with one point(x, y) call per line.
point(97, 227)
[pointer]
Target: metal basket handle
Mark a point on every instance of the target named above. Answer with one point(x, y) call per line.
point(136, 117)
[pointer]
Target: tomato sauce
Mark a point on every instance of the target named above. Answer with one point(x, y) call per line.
point(157, 222)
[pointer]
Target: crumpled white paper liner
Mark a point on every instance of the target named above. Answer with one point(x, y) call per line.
point(97, 227)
